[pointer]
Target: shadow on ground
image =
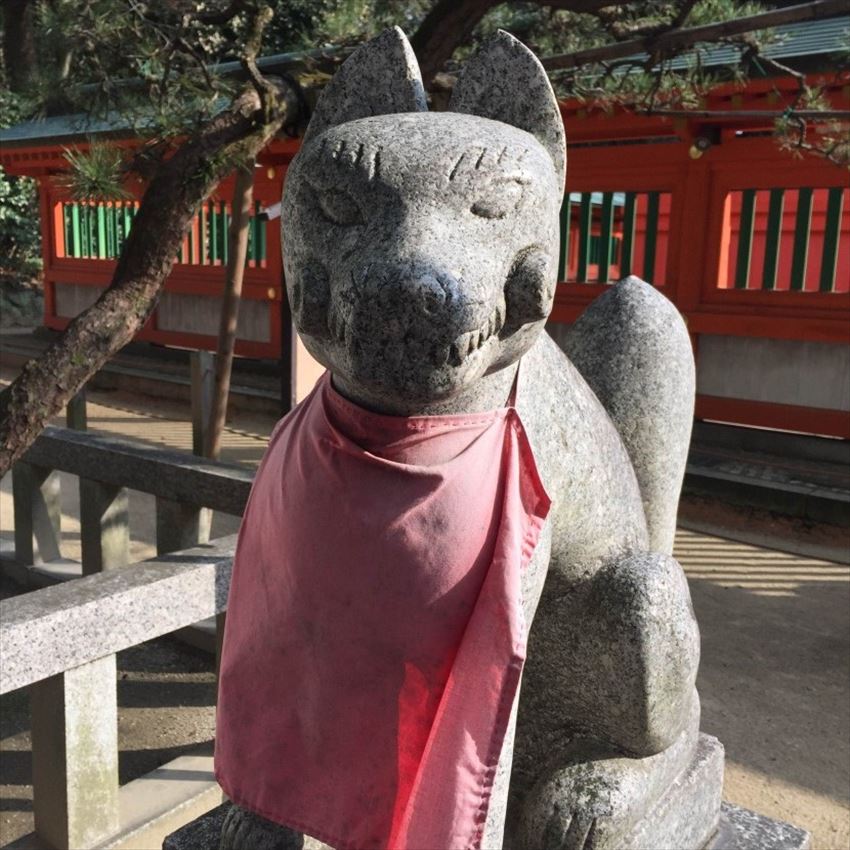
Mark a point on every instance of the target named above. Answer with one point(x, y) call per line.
point(774, 681)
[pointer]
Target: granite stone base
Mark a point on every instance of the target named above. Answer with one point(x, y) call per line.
point(741, 829)
point(204, 832)
point(687, 815)
point(738, 829)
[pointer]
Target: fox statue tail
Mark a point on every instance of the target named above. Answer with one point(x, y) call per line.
point(633, 349)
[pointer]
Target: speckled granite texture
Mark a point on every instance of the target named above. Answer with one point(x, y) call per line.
point(633, 350)
point(741, 829)
point(407, 272)
point(738, 829)
point(420, 255)
point(204, 833)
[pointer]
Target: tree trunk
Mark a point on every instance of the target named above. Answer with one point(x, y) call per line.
point(241, 207)
point(171, 201)
point(19, 56)
point(449, 24)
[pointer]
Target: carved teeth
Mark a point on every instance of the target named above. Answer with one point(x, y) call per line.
point(474, 340)
point(500, 317)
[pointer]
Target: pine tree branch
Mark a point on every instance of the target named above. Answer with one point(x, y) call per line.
point(683, 13)
point(179, 187)
point(676, 39)
point(223, 16)
point(588, 7)
point(749, 114)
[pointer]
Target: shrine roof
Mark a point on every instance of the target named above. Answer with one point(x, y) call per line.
point(796, 40)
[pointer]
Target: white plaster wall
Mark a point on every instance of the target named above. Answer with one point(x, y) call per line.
point(782, 371)
point(200, 314)
point(73, 298)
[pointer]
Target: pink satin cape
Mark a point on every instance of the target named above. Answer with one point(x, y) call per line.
point(375, 635)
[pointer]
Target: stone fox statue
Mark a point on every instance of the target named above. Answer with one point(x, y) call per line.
point(420, 256)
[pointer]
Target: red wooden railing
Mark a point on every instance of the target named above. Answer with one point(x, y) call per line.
point(751, 243)
point(788, 283)
point(81, 241)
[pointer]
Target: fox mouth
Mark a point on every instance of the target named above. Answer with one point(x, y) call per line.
point(471, 341)
point(440, 354)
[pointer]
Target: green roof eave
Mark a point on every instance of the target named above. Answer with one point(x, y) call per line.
point(62, 129)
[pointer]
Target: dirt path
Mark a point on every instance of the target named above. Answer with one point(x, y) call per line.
point(774, 677)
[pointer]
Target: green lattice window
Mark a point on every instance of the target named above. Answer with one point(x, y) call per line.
point(788, 239)
point(608, 235)
point(98, 231)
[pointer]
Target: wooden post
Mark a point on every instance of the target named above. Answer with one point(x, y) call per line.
point(38, 513)
point(75, 755)
point(237, 255)
point(203, 387)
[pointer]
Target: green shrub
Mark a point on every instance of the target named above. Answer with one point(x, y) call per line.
point(20, 234)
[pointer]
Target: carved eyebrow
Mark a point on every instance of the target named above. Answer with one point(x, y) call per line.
point(359, 157)
point(504, 160)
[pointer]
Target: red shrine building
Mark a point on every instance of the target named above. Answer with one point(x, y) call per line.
point(752, 244)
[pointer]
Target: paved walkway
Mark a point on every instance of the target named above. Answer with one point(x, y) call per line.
point(774, 677)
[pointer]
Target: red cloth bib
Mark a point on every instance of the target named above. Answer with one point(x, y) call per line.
point(375, 636)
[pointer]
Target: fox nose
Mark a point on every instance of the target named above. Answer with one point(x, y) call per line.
point(417, 293)
point(427, 293)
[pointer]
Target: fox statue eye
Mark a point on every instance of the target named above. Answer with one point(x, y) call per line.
point(339, 208)
point(498, 200)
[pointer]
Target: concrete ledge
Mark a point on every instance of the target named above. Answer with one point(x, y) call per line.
point(159, 372)
point(201, 635)
point(156, 804)
point(793, 499)
point(163, 800)
point(786, 444)
point(58, 628)
point(167, 473)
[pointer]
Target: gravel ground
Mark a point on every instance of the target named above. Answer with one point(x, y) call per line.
point(774, 677)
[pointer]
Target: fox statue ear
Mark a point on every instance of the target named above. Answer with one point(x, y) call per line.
point(506, 82)
point(380, 78)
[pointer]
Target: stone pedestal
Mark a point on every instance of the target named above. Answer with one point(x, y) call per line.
point(687, 815)
point(739, 829)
